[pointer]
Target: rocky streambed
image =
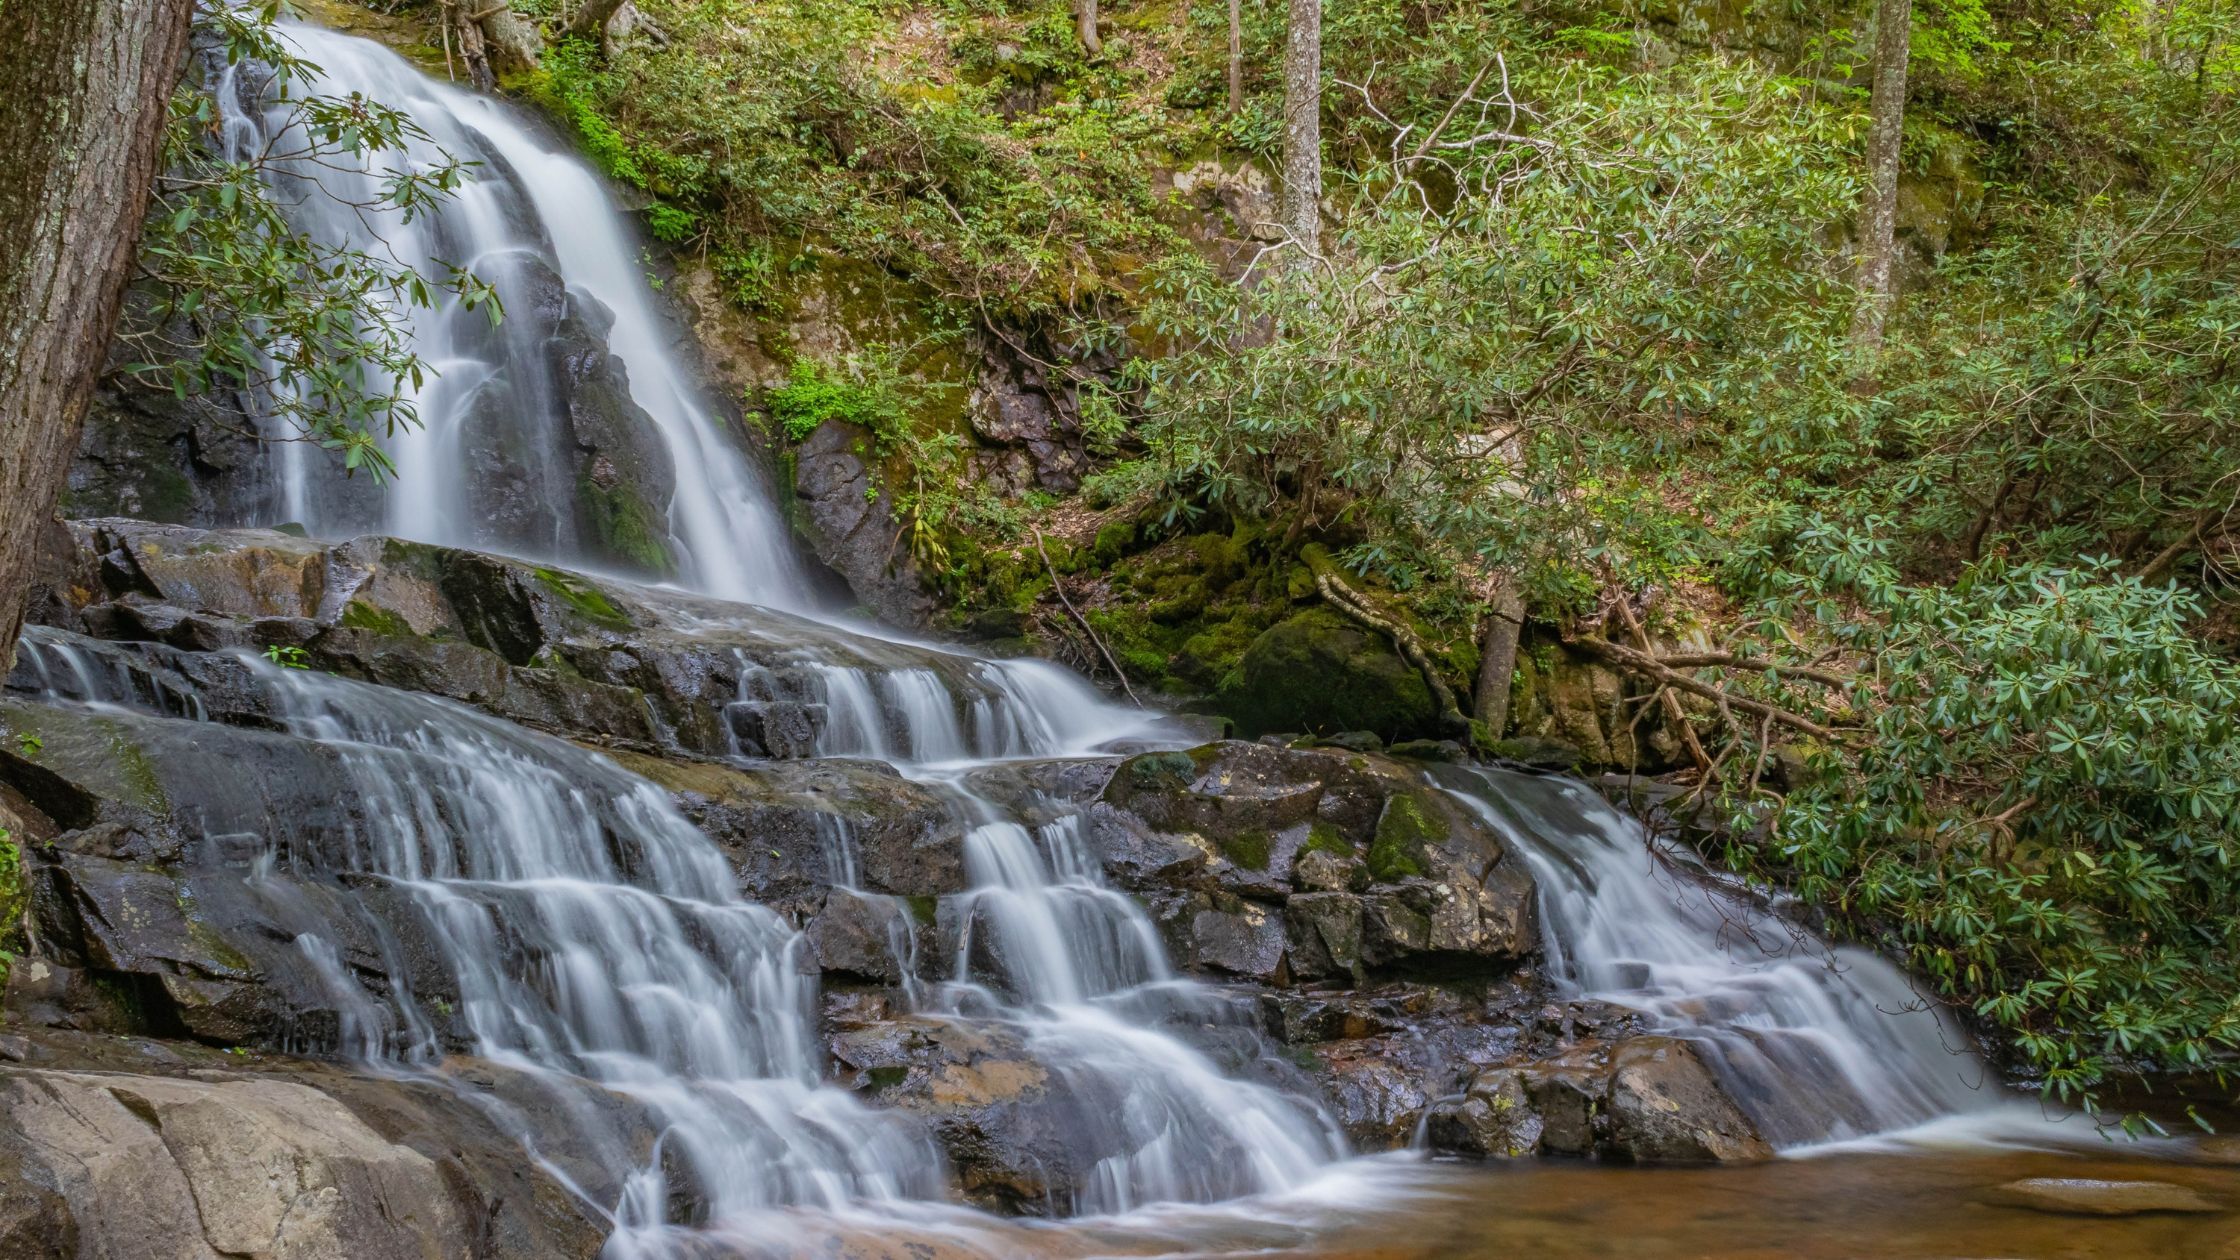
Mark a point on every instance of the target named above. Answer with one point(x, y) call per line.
point(177, 1058)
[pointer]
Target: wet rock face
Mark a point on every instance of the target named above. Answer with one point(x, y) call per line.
point(559, 651)
point(1281, 864)
point(999, 1112)
point(1648, 1099)
point(850, 523)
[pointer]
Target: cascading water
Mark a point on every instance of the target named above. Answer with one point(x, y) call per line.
point(597, 943)
point(495, 461)
point(1818, 1043)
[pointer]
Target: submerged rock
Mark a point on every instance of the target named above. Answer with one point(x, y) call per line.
point(2093, 1196)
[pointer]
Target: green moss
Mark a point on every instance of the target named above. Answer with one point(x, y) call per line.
point(1319, 672)
point(1324, 838)
point(923, 908)
point(583, 597)
point(1154, 772)
point(1248, 849)
point(889, 1075)
point(1405, 829)
point(12, 901)
point(625, 527)
point(360, 615)
point(138, 773)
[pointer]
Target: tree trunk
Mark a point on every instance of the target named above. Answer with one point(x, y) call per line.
point(590, 21)
point(1085, 20)
point(1302, 127)
point(88, 83)
point(1236, 56)
point(1878, 226)
point(1497, 660)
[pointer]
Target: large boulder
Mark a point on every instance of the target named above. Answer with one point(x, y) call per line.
point(130, 1148)
point(1001, 1115)
point(1666, 1106)
point(1319, 672)
point(1648, 1099)
point(1361, 863)
point(851, 525)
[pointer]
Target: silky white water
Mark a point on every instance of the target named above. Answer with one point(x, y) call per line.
point(1818, 1043)
point(532, 206)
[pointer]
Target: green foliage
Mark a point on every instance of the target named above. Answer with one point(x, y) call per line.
point(772, 122)
point(287, 656)
point(1498, 381)
point(241, 300)
point(858, 394)
point(12, 901)
point(2044, 812)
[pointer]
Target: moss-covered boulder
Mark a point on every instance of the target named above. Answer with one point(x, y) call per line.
point(1321, 673)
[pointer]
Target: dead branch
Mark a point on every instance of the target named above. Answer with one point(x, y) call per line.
point(1060, 587)
point(1643, 663)
point(1343, 598)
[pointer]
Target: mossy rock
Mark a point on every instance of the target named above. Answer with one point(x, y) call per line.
point(1319, 672)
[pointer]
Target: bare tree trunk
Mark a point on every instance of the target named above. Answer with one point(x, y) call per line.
point(87, 84)
point(590, 21)
point(1497, 660)
point(1236, 56)
point(459, 16)
point(1302, 126)
point(1878, 227)
point(1085, 20)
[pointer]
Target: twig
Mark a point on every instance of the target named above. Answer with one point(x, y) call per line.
point(1086, 628)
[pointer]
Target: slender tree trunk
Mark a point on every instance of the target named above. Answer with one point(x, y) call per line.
point(1302, 126)
point(1236, 56)
point(1497, 660)
point(1085, 18)
point(87, 83)
point(1878, 225)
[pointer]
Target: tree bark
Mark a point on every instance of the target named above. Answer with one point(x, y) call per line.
point(590, 21)
point(88, 83)
point(1302, 127)
point(1497, 660)
point(1236, 56)
point(1085, 21)
point(1878, 227)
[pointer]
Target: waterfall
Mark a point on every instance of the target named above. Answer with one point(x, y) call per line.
point(1818, 1043)
point(599, 943)
point(495, 462)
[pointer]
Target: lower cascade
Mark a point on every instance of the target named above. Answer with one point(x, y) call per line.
point(1817, 1043)
point(756, 930)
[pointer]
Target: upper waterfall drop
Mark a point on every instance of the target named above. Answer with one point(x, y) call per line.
point(529, 439)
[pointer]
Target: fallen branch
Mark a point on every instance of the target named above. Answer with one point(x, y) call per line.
point(1643, 663)
point(1673, 713)
point(1343, 598)
point(1756, 665)
point(1086, 628)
